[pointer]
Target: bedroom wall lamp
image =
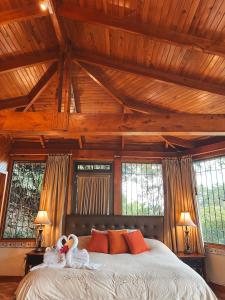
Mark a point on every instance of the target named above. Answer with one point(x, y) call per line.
point(185, 220)
point(41, 220)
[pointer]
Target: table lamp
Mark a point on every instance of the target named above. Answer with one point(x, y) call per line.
point(185, 220)
point(41, 220)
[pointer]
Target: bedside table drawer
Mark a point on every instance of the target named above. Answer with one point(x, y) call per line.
point(33, 259)
point(195, 261)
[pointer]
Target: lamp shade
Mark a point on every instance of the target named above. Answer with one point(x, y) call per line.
point(185, 219)
point(42, 218)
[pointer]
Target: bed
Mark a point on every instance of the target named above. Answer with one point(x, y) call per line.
point(155, 274)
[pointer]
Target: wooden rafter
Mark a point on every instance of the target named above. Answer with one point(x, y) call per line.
point(174, 140)
point(52, 123)
point(29, 59)
point(16, 102)
point(125, 101)
point(41, 85)
point(20, 14)
point(119, 65)
point(188, 41)
point(74, 85)
point(168, 143)
point(56, 23)
point(61, 73)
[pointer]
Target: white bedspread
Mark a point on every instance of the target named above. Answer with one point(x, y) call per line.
point(153, 275)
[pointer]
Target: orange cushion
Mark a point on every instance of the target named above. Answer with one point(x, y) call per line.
point(135, 242)
point(117, 243)
point(98, 243)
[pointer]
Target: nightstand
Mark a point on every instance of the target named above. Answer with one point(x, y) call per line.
point(195, 261)
point(33, 259)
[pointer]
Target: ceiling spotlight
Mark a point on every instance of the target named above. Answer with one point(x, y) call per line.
point(43, 5)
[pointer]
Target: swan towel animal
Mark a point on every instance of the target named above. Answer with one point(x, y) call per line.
point(67, 255)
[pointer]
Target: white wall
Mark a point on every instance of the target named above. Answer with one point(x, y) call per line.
point(215, 268)
point(12, 261)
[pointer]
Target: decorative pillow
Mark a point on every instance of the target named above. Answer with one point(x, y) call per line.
point(117, 243)
point(98, 243)
point(99, 231)
point(83, 241)
point(135, 242)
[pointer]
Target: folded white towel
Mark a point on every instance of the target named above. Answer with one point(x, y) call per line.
point(74, 258)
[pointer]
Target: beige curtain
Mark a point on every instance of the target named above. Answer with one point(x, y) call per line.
point(179, 187)
point(53, 196)
point(93, 193)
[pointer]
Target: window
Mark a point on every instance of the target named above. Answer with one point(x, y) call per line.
point(24, 198)
point(142, 189)
point(210, 178)
point(93, 188)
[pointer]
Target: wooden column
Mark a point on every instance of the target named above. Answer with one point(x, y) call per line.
point(117, 186)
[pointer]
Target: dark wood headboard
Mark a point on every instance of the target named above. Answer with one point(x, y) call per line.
point(151, 227)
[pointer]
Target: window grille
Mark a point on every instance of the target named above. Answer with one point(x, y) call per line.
point(210, 180)
point(24, 198)
point(142, 189)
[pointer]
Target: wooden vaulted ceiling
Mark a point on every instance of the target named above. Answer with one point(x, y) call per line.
point(135, 57)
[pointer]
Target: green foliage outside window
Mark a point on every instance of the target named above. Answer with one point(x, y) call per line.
point(142, 189)
point(24, 198)
point(210, 179)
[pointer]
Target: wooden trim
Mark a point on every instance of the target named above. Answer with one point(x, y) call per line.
point(5, 203)
point(216, 246)
point(149, 72)
point(117, 186)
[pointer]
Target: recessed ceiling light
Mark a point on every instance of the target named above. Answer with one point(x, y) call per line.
point(43, 5)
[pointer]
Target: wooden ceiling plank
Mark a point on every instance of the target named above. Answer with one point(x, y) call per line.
point(61, 124)
point(173, 140)
point(188, 41)
point(29, 59)
point(20, 14)
point(13, 103)
point(125, 101)
point(149, 72)
point(41, 86)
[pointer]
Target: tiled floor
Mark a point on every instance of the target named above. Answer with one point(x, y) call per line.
point(8, 287)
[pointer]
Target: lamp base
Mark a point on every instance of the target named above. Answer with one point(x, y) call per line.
point(187, 251)
point(39, 249)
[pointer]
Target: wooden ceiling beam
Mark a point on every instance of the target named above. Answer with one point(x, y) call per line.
point(174, 140)
point(148, 72)
point(13, 103)
point(56, 23)
point(41, 85)
point(61, 124)
point(29, 59)
point(125, 101)
point(20, 14)
point(164, 35)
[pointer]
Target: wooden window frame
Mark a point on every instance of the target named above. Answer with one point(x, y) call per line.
point(6, 196)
